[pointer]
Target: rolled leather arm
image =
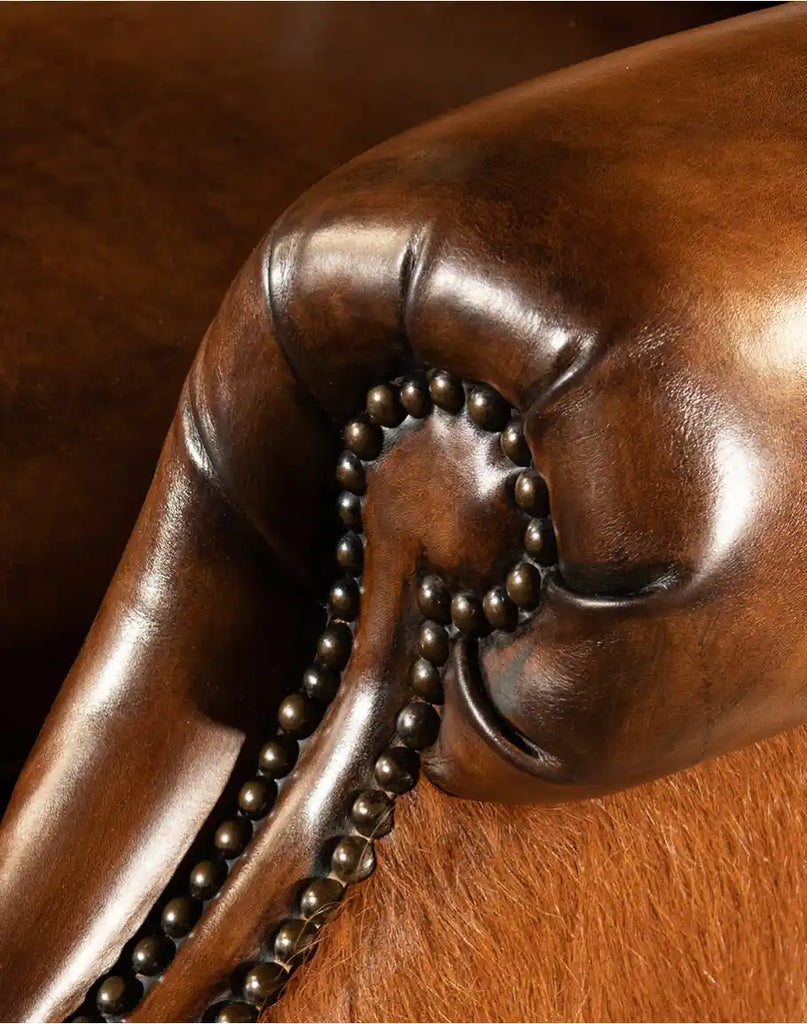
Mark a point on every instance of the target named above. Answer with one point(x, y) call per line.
point(188, 656)
point(619, 250)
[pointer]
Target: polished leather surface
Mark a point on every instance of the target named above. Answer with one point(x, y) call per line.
point(585, 243)
point(471, 543)
point(144, 150)
point(594, 253)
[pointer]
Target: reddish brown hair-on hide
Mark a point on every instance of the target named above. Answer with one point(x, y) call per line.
point(684, 900)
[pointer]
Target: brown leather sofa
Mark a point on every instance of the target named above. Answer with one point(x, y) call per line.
point(559, 336)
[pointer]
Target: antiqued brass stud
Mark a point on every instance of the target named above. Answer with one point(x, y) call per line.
point(232, 836)
point(298, 715)
point(277, 757)
point(333, 647)
point(372, 813)
point(206, 878)
point(434, 600)
point(414, 395)
point(384, 405)
point(255, 798)
point(348, 507)
point(320, 899)
point(426, 681)
point(531, 494)
point(447, 391)
point(499, 610)
point(433, 643)
point(350, 473)
point(263, 982)
point(539, 541)
point(487, 408)
point(514, 444)
point(417, 725)
point(118, 994)
point(353, 859)
point(467, 614)
point(236, 1013)
point(294, 940)
point(396, 770)
point(179, 916)
point(343, 599)
point(524, 585)
point(364, 439)
point(320, 683)
point(152, 955)
point(350, 553)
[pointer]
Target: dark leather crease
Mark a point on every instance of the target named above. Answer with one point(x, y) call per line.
point(218, 477)
point(616, 587)
point(498, 733)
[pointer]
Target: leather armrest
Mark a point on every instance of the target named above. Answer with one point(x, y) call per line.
point(618, 250)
